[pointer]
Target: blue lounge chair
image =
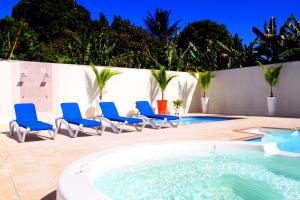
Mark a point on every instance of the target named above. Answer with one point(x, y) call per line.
point(72, 116)
point(26, 118)
point(147, 114)
point(110, 114)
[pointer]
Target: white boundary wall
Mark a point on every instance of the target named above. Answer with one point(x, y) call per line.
point(71, 83)
point(243, 91)
point(237, 91)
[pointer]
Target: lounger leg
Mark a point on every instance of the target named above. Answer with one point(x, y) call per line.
point(122, 127)
point(175, 125)
point(152, 124)
point(19, 133)
point(52, 133)
point(101, 130)
point(77, 131)
point(11, 128)
point(112, 126)
point(60, 121)
point(147, 121)
point(24, 135)
point(12, 125)
point(139, 129)
point(58, 128)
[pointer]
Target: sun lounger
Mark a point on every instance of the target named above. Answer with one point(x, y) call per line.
point(72, 116)
point(26, 118)
point(111, 116)
point(147, 114)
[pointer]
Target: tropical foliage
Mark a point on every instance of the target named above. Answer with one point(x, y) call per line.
point(292, 39)
point(162, 78)
point(177, 103)
point(204, 80)
point(271, 76)
point(159, 25)
point(62, 31)
point(273, 46)
point(269, 41)
point(103, 77)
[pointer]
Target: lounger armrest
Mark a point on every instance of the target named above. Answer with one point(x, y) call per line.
point(12, 122)
point(102, 119)
point(139, 116)
point(58, 120)
point(108, 122)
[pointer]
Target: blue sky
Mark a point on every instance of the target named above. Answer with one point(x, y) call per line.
point(239, 16)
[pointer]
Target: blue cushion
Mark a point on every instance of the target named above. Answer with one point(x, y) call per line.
point(84, 122)
point(109, 110)
point(70, 111)
point(168, 117)
point(129, 120)
point(25, 112)
point(35, 125)
point(144, 108)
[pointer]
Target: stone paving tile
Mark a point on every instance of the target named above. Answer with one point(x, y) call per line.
point(31, 170)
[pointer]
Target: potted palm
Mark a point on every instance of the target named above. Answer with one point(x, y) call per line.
point(162, 79)
point(103, 77)
point(178, 103)
point(272, 78)
point(204, 80)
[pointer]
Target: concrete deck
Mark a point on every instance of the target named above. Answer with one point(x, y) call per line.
point(31, 170)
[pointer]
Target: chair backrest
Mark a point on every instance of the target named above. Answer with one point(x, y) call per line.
point(109, 109)
point(25, 112)
point(144, 108)
point(70, 111)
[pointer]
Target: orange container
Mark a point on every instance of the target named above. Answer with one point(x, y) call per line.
point(162, 106)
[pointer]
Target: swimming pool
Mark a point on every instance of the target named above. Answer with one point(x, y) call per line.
point(286, 140)
point(183, 170)
point(200, 119)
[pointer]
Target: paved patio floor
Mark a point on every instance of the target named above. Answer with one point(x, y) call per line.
point(31, 170)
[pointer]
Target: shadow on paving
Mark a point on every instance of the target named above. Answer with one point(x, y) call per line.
point(50, 196)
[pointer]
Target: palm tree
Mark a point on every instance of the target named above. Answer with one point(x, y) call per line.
point(204, 79)
point(159, 25)
point(162, 78)
point(269, 42)
point(271, 75)
point(103, 77)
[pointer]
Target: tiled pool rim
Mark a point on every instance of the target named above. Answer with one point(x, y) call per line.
point(218, 119)
point(259, 135)
point(75, 182)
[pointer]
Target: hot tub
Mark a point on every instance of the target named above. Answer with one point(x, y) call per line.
point(184, 170)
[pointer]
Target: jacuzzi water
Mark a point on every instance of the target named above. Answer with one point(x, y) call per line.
point(286, 140)
point(200, 119)
point(194, 173)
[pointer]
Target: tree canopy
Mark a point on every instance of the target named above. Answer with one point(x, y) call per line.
point(62, 31)
point(201, 32)
point(52, 19)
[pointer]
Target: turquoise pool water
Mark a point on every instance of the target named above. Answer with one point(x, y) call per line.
point(287, 140)
point(226, 175)
point(200, 119)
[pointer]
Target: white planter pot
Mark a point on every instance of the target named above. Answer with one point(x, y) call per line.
point(97, 107)
point(271, 105)
point(177, 111)
point(205, 101)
